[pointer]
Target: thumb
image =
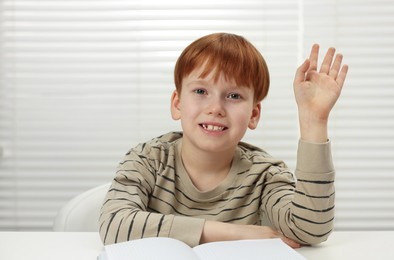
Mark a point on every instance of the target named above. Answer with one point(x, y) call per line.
point(300, 73)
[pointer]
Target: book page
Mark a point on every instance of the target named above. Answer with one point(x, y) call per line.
point(149, 249)
point(272, 249)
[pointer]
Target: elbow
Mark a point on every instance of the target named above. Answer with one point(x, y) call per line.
point(315, 238)
point(312, 233)
point(103, 233)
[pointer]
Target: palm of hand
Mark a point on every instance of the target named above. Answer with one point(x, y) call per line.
point(317, 91)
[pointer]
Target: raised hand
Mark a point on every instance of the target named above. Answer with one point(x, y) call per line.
point(316, 92)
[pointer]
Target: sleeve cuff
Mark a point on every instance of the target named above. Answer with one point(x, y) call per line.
point(187, 229)
point(314, 158)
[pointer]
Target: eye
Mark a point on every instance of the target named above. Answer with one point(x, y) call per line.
point(199, 91)
point(234, 96)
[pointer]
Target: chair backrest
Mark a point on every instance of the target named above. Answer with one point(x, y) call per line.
point(81, 214)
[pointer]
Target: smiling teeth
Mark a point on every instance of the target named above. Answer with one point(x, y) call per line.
point(213, 127)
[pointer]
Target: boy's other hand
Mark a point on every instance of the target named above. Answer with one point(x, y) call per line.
point(219, 231)
point(316, 92)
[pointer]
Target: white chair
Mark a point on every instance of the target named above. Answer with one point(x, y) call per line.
point(81, 214)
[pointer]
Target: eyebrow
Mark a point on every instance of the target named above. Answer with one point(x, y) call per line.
point(208, 82)
point(199, 81)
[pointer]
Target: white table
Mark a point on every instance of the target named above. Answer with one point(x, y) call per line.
point(49, 245)
point(87, 246)
point(353, 245)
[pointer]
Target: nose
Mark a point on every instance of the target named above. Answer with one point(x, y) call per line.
point(216, 107)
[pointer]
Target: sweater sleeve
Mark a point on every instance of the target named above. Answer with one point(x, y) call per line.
point(125, 213)
point(304, 212)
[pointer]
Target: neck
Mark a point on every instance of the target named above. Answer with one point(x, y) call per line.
point(206, 169)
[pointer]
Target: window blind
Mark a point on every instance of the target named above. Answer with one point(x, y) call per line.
point(83, 81)
point(362, 122)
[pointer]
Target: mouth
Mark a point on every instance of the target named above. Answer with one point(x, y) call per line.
point(213, 128)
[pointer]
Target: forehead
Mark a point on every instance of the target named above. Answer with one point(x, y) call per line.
point(214, 76)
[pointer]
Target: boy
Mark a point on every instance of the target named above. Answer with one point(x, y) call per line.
point(204, 184)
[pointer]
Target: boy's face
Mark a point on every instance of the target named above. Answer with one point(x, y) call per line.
point(214, 115)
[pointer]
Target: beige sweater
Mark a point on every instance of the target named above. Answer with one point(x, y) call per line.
point(152, 194)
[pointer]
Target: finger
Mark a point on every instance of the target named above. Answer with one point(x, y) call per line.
point(290, 242)
point(314, 56)
point(342, 75)
point(300, 73)
point(336, 66)
point(326, 64)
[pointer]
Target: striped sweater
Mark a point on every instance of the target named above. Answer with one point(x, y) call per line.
point(152, 194)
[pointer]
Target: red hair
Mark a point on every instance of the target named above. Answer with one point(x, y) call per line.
point(230, 54)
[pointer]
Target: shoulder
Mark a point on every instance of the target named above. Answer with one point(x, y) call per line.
point(160, 143)
point(256, 156)
point(156, 153)
point(168, 138)
point(254, 153)
point(250, 149)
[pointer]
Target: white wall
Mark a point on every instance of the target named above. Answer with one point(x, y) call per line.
point(83, 81)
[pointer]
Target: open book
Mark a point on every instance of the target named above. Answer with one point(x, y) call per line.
point(171, 249)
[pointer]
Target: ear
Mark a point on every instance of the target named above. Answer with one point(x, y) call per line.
point(175, 105)
point(255, 116)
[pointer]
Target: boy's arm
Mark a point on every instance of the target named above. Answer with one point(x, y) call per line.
point(301, 212)
point(220, 231)
point(122, 219)
point(316, 93)
point(306, 215)
point(125, 214)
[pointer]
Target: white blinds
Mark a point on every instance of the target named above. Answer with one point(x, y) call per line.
point(363, 121)
point(83, 81)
